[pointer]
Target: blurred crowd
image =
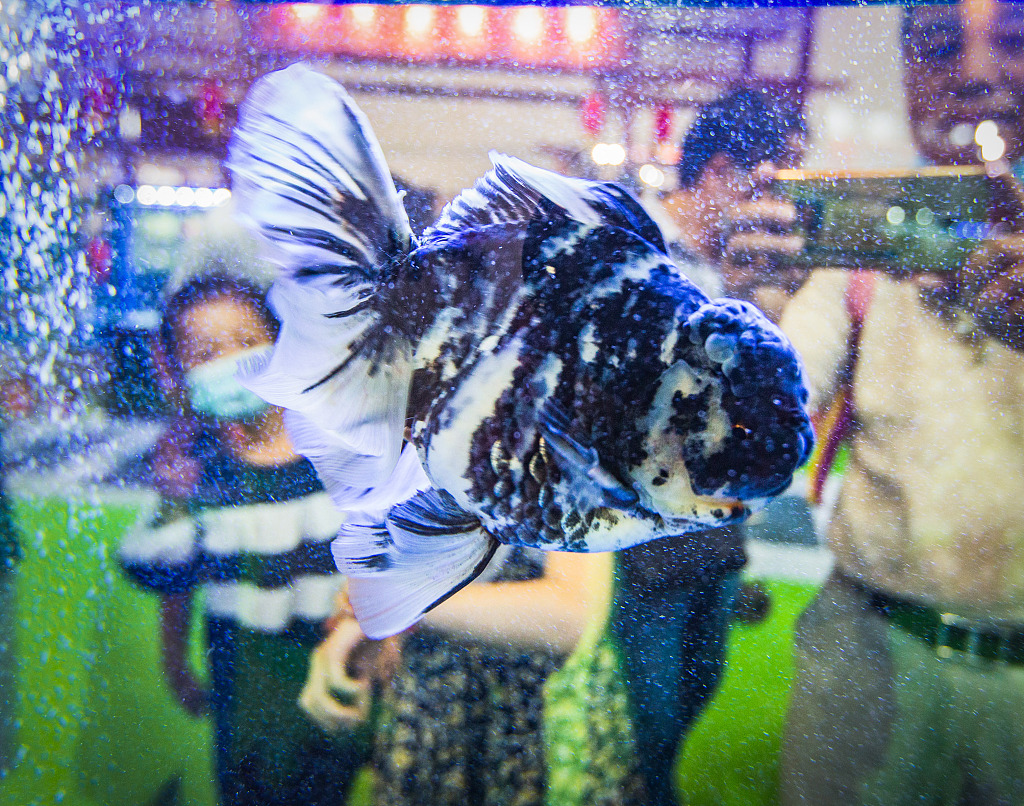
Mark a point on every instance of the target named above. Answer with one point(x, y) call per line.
point(909, 661)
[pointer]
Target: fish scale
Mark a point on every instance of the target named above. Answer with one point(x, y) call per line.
point(533, 370)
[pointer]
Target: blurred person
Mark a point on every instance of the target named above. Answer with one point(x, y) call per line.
point(910, 661)
point(244, 518)
point(730, 234)
point(464, 706)
point(675, 597)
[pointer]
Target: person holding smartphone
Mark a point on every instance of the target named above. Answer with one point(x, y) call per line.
point(910, 661)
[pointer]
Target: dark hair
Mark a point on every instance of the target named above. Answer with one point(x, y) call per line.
point(741, 124)
point(205, 288)
point(792, 119)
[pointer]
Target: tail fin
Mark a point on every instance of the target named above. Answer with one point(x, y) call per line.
point(309, 176)
point(310, 179)
point(428, 550)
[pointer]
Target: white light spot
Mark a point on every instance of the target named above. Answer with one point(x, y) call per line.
point(419, 21)
point(652, 175)
point(993, 149)
point(306, 13)
point(528, 25)
point(363, 16)
point(608, 154)
point(204, 197)
point(470, 20)
point(165, 195)
point(986, 130)
point(581, 24)
point(896, 215)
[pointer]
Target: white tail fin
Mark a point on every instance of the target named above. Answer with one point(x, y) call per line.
point(310, 179)
point(309, 176)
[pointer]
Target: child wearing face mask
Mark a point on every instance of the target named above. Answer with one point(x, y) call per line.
point(245, 519)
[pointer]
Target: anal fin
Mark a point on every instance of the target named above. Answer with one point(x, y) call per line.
point(428, 549)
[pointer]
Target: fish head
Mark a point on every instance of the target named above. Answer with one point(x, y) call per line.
point(728, 424)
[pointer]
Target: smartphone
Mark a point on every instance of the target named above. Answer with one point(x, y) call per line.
point(903, 222)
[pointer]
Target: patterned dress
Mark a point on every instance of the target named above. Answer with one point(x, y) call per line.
point(464, 720)
point(256, 542)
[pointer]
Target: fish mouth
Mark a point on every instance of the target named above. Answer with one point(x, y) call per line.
point(691, 507)
point(710, 511)
point(721, 508)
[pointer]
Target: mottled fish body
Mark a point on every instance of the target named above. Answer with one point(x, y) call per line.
point(566, 387)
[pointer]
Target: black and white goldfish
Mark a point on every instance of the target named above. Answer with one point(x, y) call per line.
point(563, 385)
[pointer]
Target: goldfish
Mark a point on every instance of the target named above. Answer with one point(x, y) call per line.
point(531, 370)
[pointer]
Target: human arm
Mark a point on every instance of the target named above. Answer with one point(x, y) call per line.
point(998, 299)
point(549, 612)
point(175, 626)
point(759, 243)
point(342, 669)
point(330, 697)
point(159, 554)
point(990, 287)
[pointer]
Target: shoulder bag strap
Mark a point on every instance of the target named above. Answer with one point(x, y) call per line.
point(835, 423)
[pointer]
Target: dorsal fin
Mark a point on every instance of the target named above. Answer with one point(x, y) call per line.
point(514, 191)
point(511, 193)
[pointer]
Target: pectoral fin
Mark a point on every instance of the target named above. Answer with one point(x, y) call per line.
point(579, 458)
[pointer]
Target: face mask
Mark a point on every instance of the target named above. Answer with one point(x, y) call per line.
point(215, 390)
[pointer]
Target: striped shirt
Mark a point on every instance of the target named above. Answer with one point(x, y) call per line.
point(256, 539)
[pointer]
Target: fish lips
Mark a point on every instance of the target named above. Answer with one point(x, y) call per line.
point(696, 511)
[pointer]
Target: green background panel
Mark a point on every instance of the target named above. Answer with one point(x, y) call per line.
point(731, 756)
point(96, 722)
